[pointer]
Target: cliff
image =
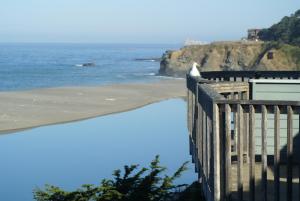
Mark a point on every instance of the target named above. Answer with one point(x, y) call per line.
point(240, 55)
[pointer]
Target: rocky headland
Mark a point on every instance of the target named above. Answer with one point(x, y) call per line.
point(273, 48)
point(236, 55)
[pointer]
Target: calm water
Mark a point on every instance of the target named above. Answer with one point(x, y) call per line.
point(27, 66)
point(72, 154)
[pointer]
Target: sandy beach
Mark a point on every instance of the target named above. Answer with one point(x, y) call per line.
point(33, 108)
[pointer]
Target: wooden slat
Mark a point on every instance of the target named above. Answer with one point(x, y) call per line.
point(227, 152)
point(204, 147)
point(264, 123)
point(208, 144)
point(289, 153)
point(193, 115)
point(276, 153)
point(190, 111)
point(196, 125)
point(245, 96)
point(226, 87)
point(200, 135)
point(216, 152)
point(191, 146)
point(222, 124)
point(235, 97)
point(259, 102)
point(252, 152)
point(240, 152)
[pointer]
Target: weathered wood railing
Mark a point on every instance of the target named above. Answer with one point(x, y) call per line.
point(224, 126)
point(246, 75)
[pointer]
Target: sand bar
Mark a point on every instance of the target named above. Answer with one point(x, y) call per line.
point(27, 109)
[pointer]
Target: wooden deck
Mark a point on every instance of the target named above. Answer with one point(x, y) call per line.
point(270, 183)
point(229, 131)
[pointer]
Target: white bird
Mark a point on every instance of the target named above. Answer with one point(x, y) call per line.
point(194, 71)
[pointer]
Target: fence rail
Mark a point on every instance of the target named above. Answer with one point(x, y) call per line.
point(246, 75)
point(230, 138)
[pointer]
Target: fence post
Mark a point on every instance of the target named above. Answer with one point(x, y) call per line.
point(216, 151)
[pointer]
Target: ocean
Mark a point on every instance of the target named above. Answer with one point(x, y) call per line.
point(85, 152)
point(26, 66)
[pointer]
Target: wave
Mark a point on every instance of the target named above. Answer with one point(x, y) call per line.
point(150, 74)
point(149, 59)
point(144, 74)
point(169, 77)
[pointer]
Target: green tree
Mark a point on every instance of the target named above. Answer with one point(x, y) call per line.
point(286, 31)
point(133, 184)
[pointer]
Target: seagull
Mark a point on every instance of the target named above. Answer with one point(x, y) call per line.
point(194, 71)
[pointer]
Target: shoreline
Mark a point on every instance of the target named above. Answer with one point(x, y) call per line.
point(22, 110)
point(11, 131)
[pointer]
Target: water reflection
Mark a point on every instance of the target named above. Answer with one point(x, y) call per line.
point(72, 154)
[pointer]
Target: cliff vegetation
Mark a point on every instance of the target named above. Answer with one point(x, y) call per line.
point(286, 31)
point(226, 56)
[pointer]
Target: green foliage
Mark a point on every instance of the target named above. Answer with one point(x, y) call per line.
point(191, 193)
point(293, 52)
point(135, 184)
point(286, 31)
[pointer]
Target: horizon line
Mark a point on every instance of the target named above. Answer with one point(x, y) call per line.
point(108, 43)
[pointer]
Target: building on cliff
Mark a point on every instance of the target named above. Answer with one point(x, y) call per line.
point(253, 34)
point(189, 42)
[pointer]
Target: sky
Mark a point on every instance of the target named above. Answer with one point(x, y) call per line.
point(136, 21)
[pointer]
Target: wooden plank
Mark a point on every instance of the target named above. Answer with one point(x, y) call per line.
point(196, 125)
point(204, 147)
point(289, 153)
point(222, 124)
point(251, 74)
point(276, 153)
point(245, 96)
point(200, 131)
point(208, 147)
point(193, 115)
point(190, 146)
point(227, 152)
point(264, 127)
point(240, 151)
point(235, 121)
point(259, 102)
point(216, 152)
point(252, 152)
point(226, 87)
point(188, 110)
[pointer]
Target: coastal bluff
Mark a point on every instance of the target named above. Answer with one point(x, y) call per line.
point(227, 56)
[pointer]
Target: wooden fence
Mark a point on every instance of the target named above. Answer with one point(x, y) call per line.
point(222, 122)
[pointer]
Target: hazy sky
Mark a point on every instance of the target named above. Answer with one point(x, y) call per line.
point(136, 21)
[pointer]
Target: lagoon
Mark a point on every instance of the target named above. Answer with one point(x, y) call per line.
point(72, 154)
